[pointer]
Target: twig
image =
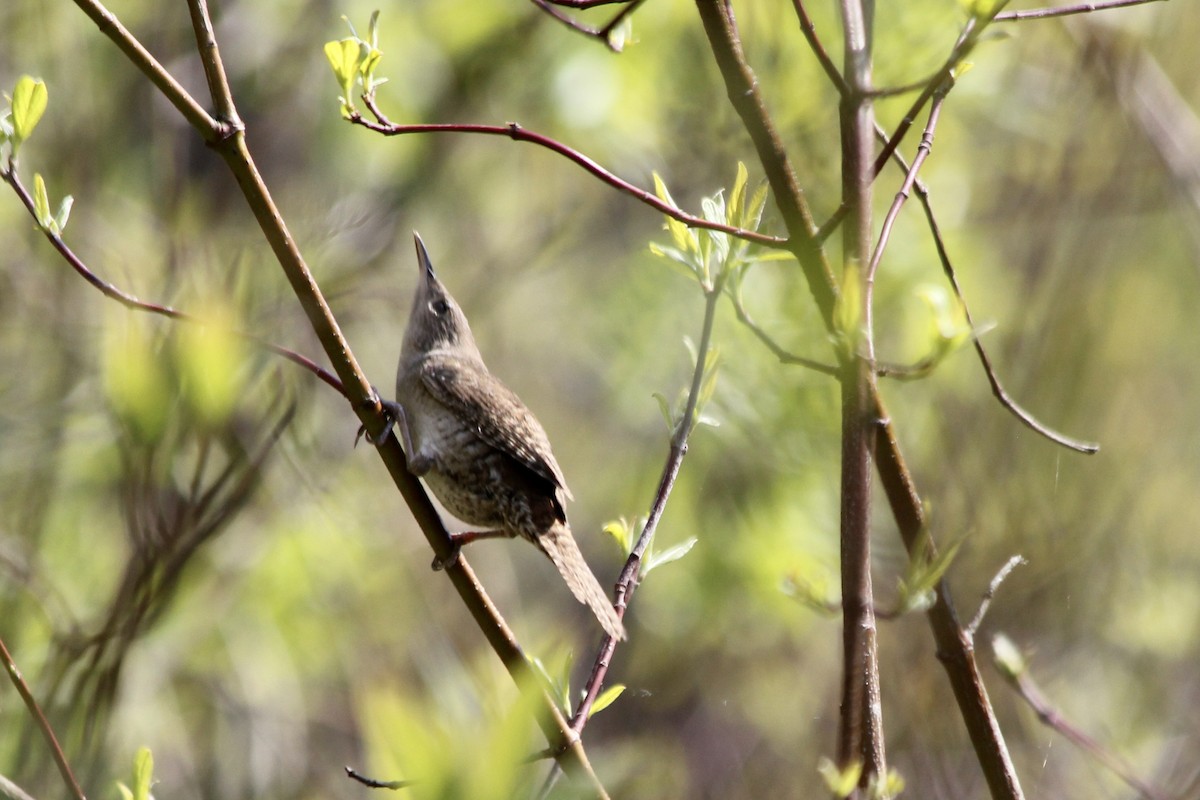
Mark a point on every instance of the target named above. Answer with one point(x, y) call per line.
point(35, 710)
point(785, 356)
point(515, 132)
point(990, 594)
point(9, 176)
point(603, 33)
point(1016, 673)
point(375, 784)
point(1063, 11)
point(998, 390)
point(627, 582)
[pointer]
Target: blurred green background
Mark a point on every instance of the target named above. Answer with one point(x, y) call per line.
point(258, 609)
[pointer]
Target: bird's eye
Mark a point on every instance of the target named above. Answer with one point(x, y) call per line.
point(439, 306)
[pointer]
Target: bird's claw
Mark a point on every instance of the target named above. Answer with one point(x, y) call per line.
point(391, 412)
point(440, 563)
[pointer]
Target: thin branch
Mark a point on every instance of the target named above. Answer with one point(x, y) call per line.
point(514, 131)
point(9, 176)
point(814, 43)
point(628, 580)
point(170, 88)
point(1063, 11)
point(923, 150)
point(998, 390)
point(785, 356)
point(35, 711)
point(372, 783)
point(603, 33)
point(1017, 676)
point(990, 594)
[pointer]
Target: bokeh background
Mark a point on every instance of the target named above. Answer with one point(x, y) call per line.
point(194, 558)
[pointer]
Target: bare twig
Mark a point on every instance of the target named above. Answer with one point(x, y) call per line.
point(514, 131)
point(9, 176)
point(354, 775)
point(1016, 673)
point(990, 594)
point(603, 33)
point(35, 711)
point(1063, 11)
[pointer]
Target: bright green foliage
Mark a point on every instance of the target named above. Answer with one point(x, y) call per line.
point(353, 61)
point(711, 256)
point(841, 782)
point(917, 587)
point(28, 103)
point(55, 223)
point(606, 698)
point(143, 777)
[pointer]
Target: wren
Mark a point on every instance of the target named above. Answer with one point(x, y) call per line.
point(481, 452)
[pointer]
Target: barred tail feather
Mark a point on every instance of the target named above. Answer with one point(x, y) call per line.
point(560, 546)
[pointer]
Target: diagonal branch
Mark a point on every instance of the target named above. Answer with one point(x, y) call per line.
point(1064, 11)
point(515, 132)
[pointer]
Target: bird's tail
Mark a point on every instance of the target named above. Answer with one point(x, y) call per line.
point(560, 546)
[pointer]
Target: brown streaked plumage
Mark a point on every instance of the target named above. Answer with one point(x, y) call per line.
point(480, 450)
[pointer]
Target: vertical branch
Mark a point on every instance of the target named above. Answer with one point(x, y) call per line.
point(860, 734)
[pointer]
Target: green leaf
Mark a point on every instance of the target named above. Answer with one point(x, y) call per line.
point(621, 531)
point(841, 782)
point(684, 238)
point(665, 408)
point(124, 790)
point(673, 553)
point(64, 214)
point(344, 58)
point(143, 773)
point(41, 202)
point(923, 573)
point(734, 212)
point(606, 699)
point(28, 104)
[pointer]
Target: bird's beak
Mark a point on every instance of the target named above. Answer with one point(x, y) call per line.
point(423, 262)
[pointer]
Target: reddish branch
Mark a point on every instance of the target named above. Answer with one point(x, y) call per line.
point(515, 132)
point(9, 176)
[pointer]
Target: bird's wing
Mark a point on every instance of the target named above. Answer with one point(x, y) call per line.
point(498, 415)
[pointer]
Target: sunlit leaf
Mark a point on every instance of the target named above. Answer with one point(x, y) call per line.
point(673, 553)
point(606, 699)
point(621, 532)
point(29, 101)
point(41, 201)
point(841, 782)
point(143, 773)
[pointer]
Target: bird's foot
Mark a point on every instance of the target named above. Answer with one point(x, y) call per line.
point(458, 541)
point(392, 412)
